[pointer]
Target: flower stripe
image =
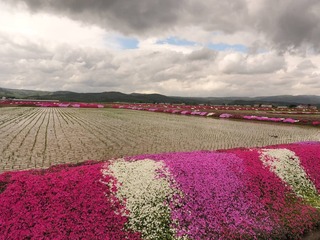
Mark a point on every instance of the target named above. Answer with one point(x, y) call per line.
point(308, 153)
point(144, 190)
point(287, 166)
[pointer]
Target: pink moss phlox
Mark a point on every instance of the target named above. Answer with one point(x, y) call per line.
point(309, 143)
point(65, 203)
point(225, 194)
point(290, 216)
point(215, 203)
point(167, 155)
point(4, 181)
point(230, 194)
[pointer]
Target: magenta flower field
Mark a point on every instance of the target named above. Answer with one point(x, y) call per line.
point(257, 193)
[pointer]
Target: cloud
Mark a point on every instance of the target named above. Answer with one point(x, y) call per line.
point(50, 30)
point(30, 64)
point(305, 65)
point(293, 23)
point(202, 55)
point(184, 48)
point(240, 63)
point(126, 16)
point(285, 25)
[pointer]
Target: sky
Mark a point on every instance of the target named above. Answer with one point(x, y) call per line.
point(193, 48)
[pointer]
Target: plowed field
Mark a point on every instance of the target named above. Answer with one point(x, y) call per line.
point(41, 137)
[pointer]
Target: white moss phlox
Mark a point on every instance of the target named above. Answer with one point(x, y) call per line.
point(145, 195)
point(286, 165)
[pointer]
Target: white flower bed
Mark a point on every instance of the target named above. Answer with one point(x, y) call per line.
point(146, 196)
point(286, 165)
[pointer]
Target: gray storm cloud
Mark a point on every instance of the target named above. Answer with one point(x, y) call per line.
point(132, 17)
point(289, 23)
point(286, 24)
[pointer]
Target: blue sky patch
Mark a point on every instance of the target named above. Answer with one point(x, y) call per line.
point(176, 41)
point(127, 42)
point(215, 46)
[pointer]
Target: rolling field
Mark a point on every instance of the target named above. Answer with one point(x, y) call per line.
point(41, 137)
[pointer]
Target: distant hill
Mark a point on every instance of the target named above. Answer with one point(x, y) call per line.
point(17, 93)
point(305, 99)
point(157, 98)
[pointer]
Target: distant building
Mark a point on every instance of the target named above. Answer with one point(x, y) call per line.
point(282, 107)
point(3, 98)
point(301, 106)
point(266, 105)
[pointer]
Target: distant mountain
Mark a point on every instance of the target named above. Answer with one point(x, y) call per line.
point(305, 99)
point(94, 97)
point(157, 98)
point(17, 93)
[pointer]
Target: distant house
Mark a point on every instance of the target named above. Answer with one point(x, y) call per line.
point(301, 106)
point(3, 98)
point(266, 105)
point(282, 107)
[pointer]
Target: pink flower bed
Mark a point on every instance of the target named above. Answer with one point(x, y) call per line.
point(285, 120)
point(225, 115)
point(206, 111)
point(225, 194)
point(185, 112)
point(316, 123)
point(285, 210)
point(60, 203)
point(216, 201)
point(231, 195)
point(55, 104)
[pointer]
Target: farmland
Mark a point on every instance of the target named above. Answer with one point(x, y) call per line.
point(40, 137)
